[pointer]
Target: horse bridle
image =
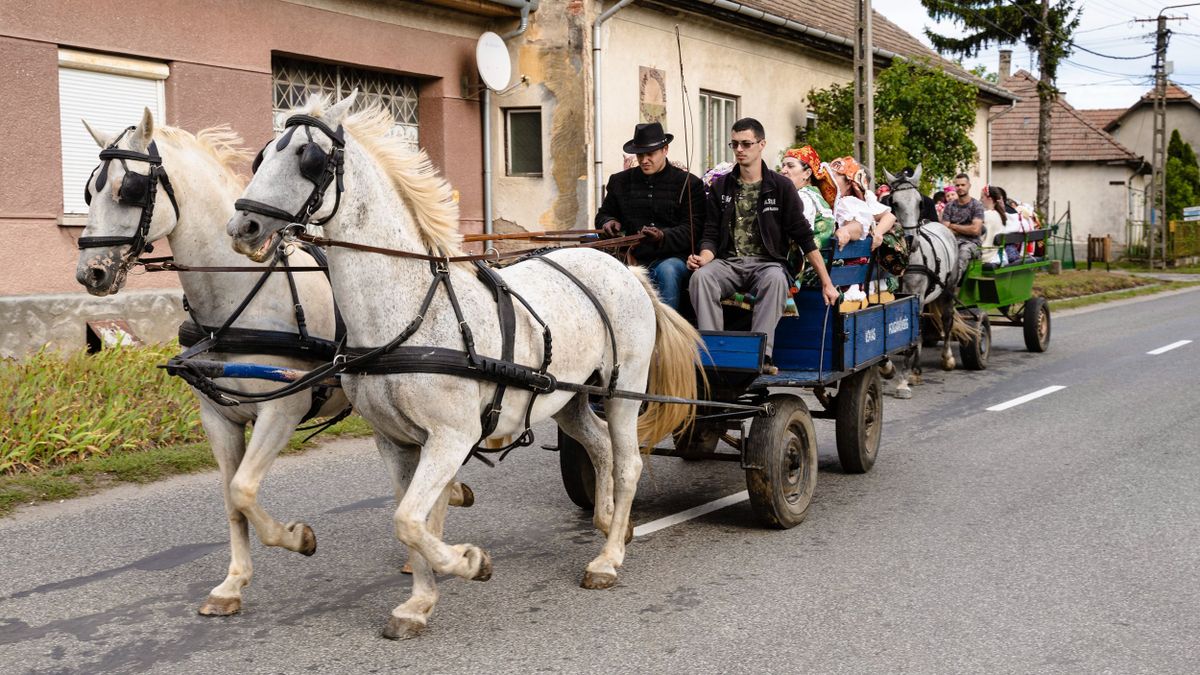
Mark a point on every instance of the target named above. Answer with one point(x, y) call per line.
point(317, 166)
point(136, 190)
point(900, 184)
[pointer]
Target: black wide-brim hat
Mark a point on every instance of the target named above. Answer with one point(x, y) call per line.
point(647, 138)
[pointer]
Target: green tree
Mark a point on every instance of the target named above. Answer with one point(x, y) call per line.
point(1043, 25)
point(1183, 177)
point(922, 116)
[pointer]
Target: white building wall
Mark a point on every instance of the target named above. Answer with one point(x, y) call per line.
point(1097, 194)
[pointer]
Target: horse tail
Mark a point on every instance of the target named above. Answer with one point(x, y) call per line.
point(673, 368)
point(960, 329)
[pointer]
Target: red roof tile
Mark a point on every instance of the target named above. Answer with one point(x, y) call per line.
point(1100, 117)
point(1174, 93)
point(1073, 136)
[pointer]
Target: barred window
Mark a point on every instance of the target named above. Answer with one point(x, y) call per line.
point(295, 79)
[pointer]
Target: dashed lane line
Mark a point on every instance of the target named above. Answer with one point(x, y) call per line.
point(1173, 345)
point(694, 512)
point(1026, 398)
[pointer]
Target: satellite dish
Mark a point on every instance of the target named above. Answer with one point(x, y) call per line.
point(491, 57)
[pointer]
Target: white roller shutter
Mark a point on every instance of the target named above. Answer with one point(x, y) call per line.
point(109, 102)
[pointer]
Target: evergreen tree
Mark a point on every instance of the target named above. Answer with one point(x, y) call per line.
point(1044, 26)
point(1183, 177)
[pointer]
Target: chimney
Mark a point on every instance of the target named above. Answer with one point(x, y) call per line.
point(1005, 64)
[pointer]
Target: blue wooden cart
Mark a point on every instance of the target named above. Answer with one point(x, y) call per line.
point(835, 355)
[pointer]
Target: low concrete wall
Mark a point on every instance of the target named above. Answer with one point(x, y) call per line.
point(59, 321)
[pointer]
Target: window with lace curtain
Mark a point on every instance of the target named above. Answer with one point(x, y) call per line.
point(295, 79)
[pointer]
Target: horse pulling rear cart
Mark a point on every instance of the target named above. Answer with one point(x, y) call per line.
point(835, 355)
point(1002, 294)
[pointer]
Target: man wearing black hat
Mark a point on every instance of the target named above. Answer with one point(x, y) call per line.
point(661, 201)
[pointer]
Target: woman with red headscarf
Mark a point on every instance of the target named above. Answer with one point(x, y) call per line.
point(816, 190)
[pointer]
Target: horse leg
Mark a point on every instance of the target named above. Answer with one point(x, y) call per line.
point(410, 618)
point(273, 427)
point(907, 364)
point(582, 423)
point(627, 468)
point(948, 314)
point(228, 440)
point(439, 460)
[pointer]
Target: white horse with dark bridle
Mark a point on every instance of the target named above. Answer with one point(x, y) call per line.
point(931, 275)
point(163, 182)
point(368, 189)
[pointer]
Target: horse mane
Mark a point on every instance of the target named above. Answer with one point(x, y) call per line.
point(418, 183)
point(219, 143)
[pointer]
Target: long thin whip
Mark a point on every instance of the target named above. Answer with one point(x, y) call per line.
point(687, 141)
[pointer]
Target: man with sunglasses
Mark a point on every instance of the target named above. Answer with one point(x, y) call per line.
point(663, 202)
point(753, 213)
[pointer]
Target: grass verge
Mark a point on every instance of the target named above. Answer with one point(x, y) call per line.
point(1095, 299)
point(1075, 283)
point(92, 474)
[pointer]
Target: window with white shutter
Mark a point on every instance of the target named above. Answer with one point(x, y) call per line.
point(110, 92)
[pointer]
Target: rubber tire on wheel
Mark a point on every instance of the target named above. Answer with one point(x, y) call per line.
point(859, 423)
point(975, 352)
point(578, 474)
point(781, 492)
point(1037, 324)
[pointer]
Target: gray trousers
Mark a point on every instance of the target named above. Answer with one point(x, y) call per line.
point(967, 250)
point(766, 279)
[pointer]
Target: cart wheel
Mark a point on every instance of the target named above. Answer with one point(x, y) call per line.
point(976, 351)
point(786, 442)
point(859, 423)
point(578, 474)
point(1037, 324)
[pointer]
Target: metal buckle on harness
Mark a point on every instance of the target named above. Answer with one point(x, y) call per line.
point(493, 249)
point(545, 383)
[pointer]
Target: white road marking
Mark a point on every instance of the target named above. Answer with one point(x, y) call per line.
point(1026, 398)
point(1173, 345)
point(695, 512)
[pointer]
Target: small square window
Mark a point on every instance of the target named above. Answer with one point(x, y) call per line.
point(523, 142)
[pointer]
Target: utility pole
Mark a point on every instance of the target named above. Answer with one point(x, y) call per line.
point(864, 89)
point(1158, 153)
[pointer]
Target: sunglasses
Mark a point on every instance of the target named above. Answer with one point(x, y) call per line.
point(744, 145)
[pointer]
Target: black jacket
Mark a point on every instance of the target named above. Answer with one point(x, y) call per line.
point(636, 200)
point(780, 216)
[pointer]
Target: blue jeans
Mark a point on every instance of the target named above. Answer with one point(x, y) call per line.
point(670, 277)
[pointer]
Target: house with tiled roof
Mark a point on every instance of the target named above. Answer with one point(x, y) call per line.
point(1134, 126)
point(756, 58)
point(1092, 173)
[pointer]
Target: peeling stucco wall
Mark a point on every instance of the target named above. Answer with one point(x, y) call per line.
point(59, 321)
point(554, 55)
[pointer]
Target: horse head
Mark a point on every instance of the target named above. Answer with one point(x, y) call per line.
point(906, 196)
point(294, 176)
point(125, 214)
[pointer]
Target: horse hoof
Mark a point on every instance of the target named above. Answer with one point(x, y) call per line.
point(887, 371)
point(407, 569)
point(948, 365)
point(468, 496)
point(402, 629)
point(218, 606)
point(904, 393)
point(308, 541)
point(485, 567)
point(594, 581)
point(916, 379)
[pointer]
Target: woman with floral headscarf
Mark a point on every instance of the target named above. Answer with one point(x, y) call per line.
point(816, 190)
point(857, 211)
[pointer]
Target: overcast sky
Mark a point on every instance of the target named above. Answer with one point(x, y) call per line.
point(1106, 26)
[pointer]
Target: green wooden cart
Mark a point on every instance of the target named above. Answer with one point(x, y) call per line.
point(1003, 295)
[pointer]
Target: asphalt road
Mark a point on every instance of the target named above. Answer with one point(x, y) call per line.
point(1059, 535)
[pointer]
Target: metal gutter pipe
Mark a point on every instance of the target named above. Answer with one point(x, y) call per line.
point(485, 105)
point(789, 24)
point(597, 151)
